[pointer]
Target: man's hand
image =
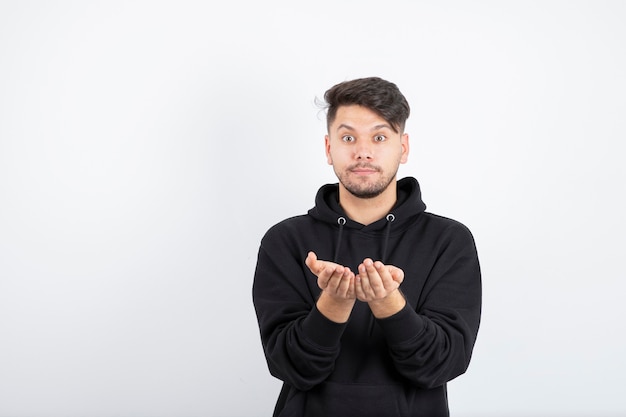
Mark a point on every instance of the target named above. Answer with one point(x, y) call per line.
point(338, 289)
point(335, 279)
point(378, 285)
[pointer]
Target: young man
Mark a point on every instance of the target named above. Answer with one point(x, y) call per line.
point(367, 305)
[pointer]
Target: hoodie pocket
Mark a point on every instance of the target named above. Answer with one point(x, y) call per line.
point(332, 399)
point(335, 399)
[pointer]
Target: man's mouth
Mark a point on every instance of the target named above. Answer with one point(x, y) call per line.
point(364, 170)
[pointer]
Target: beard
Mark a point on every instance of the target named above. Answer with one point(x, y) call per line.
point(362, 187)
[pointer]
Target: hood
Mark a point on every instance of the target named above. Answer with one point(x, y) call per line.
point(408, 205)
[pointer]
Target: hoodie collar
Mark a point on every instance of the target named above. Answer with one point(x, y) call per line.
point(408, 205)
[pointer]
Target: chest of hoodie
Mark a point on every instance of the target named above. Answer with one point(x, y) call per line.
point(410, 248)
point(405, 249)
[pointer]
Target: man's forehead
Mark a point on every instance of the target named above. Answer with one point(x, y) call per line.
point(358, 117)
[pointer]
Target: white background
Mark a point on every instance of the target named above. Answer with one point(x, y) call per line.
point(145, 147)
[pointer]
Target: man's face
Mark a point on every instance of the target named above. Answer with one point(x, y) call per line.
point(364, 150)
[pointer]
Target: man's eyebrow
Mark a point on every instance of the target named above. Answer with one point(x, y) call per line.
point(344, 126)
point(377, 127)
point(383, 126)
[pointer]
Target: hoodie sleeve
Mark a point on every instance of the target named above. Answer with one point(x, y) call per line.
point(300, 344)
point(431, 339)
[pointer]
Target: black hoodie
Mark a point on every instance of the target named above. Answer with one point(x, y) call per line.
point(397, 366)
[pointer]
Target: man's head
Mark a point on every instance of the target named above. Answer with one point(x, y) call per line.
point(380, 96)
point(366, 142)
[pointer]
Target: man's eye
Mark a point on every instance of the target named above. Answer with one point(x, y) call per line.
point(348, 138)
point(379, 138)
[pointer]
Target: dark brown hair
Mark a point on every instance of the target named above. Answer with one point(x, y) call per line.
point(376, 94)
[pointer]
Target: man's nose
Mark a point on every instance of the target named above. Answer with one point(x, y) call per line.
point(363, 151)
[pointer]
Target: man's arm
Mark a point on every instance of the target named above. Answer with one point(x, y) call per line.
point(431, 340)
point(300, 342)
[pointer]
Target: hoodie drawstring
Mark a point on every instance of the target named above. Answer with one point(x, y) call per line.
point(341, 221)
point(390, 218)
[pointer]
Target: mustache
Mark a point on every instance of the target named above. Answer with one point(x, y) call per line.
point(363, 165)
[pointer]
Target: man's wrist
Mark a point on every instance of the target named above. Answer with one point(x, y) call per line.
point(334, 309)
point(388, 306)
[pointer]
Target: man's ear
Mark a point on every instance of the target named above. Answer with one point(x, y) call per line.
point(404, 141)
point(329, 158)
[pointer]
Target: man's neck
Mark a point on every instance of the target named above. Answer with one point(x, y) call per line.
point(368, 210)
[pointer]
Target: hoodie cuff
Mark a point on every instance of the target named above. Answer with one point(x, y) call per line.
point(322, 331)
point(405, 325)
